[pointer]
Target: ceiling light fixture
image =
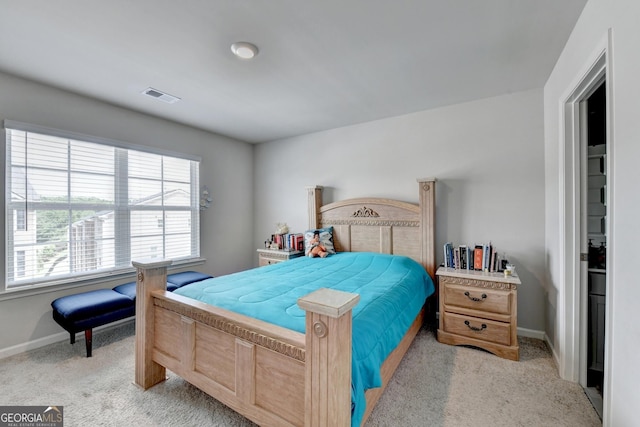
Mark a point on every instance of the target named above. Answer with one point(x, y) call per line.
point(244, 50)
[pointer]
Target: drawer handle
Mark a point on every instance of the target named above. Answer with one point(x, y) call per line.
point(474, 328)
point(476, 299)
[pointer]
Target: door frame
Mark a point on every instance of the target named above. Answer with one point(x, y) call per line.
point(573, 306)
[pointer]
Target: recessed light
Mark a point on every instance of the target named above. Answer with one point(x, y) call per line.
point(244, 50)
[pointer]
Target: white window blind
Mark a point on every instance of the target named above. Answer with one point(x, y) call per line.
point(76, 207)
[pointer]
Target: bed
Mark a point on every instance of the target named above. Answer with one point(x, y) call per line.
point(241, 359)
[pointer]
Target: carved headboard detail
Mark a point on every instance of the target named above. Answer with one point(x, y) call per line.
point(365, 212)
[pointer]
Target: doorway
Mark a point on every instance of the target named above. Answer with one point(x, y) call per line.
point(595, 214)
point(578, 362)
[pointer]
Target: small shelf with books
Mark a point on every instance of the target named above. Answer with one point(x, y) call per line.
point(281, 247)
point(478, 257)
point(290, 242)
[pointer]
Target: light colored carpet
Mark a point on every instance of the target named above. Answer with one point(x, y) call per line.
point(435, 385)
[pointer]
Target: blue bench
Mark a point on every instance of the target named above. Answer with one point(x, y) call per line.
point(88, 310)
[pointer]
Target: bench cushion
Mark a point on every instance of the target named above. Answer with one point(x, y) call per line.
point(90, 304)
point(93, 321)
point(184, 278)
point(128, 289)
point(174, 281)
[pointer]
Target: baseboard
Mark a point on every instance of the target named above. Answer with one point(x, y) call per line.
point(52, 339)
point(531, 333)
point(556, 358)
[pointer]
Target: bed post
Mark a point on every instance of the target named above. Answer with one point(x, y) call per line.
point(151, 276)
point(328, 357)
point(427, 187)
point(314, 202)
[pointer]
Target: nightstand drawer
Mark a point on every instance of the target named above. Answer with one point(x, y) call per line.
point(487, 300)
point(262, 261)
point(481, 329)
point(274, 256)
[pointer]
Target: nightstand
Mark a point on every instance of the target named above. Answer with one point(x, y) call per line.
point(273, 256)
point(479, 309)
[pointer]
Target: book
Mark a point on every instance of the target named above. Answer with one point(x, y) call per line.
point(492, 263)
point(486, 255)
point(446, 257)
point(463, 257)
point(449, 258)
point(477, 257)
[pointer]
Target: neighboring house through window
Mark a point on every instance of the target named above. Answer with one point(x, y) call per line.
point(21, 223)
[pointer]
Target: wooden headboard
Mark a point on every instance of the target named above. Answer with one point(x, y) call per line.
point(381, 225)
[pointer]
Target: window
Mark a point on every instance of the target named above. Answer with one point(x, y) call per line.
point(20, 257)
point(84, 206)
point(21, 224)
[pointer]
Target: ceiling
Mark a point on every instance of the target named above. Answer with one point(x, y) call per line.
point(321, 64)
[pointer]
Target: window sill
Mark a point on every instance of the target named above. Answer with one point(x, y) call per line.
point(124, 276)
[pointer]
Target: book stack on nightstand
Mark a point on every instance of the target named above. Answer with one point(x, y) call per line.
point(274, 256)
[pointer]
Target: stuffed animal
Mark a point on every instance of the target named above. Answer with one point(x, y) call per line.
point(317, 249)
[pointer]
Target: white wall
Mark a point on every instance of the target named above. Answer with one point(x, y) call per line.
point(487, 156)
point(623, 339)
point(226, 227)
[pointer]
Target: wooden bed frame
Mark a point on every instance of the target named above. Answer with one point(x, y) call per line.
point(272, 375)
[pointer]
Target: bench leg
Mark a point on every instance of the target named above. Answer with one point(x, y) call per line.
point(88, 337)
point(72, 337)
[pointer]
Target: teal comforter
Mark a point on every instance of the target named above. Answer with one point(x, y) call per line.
point(392, 291)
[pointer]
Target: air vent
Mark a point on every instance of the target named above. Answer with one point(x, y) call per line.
point(155, 93)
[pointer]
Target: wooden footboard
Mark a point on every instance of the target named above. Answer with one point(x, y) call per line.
point(271, 375)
